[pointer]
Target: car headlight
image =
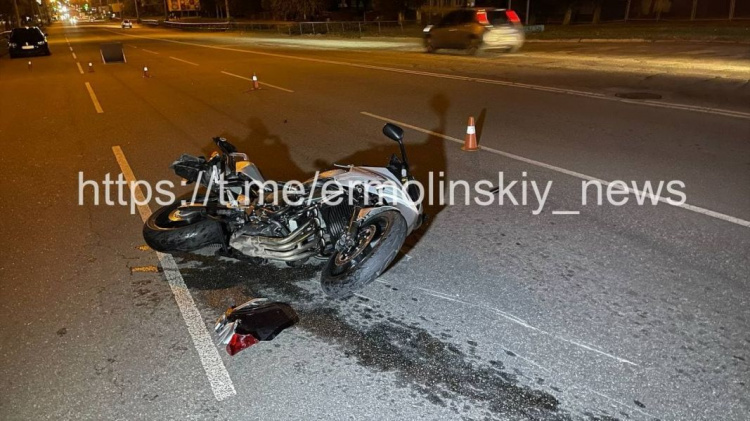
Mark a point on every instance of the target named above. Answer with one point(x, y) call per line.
point(40, 42)
point(12, 45)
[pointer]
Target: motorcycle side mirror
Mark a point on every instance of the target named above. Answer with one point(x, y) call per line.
point(396, 133)
point(393, 132)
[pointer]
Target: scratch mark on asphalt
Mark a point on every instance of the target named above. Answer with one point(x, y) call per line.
point(523, 323)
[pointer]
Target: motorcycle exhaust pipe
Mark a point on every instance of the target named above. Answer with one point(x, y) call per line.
point(288, 242)
point(300, 244)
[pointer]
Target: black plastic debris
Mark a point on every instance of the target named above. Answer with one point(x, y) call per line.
point(256, 320)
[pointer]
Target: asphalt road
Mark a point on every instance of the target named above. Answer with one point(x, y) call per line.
point(491, 312)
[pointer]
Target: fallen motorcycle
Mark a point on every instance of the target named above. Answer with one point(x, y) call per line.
point(356, 218)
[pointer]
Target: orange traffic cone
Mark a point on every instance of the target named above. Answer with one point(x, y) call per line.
point(256, 85)
point(91, 67)
point(470, 141)
point(145, 72)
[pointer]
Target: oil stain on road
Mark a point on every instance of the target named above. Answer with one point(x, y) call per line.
point(373, 337)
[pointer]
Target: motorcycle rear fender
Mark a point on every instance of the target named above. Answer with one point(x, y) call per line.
point(250, 170)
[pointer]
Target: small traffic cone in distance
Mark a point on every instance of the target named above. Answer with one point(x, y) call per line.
point(470, 141)
point(29, 64)
point(256, 85)
point(145, 72)
point(91, 67)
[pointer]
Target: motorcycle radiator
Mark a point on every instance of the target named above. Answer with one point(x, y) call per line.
point(337, 219)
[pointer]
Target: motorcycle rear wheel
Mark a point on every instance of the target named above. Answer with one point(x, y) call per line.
point(378, 241)
point(165, 233)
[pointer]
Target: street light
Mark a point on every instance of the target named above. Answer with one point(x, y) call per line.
point(527, 11)
point(18, 17)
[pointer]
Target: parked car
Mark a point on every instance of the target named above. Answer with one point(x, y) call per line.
point(476, 29)
point(127, 24)
point(27, 41)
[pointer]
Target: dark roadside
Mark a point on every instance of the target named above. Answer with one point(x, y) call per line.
point(712, 31)
point(670, 31)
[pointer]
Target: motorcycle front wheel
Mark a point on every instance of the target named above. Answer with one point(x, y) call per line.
point(177, 228)
point(376, 244)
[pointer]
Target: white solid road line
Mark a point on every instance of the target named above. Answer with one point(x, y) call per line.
point(80, 69)
point(184, 61)
point(594, 95)
point(686, 206)
point(93, 99)
point(218, 377)
point(259, 82)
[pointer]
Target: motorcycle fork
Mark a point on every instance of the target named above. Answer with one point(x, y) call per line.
point(346, 241)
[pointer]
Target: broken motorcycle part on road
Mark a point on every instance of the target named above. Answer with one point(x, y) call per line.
point(256, 320)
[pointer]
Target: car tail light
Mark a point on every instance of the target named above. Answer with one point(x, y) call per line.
point(482, 17)
point(240, 342)
point(512, 16)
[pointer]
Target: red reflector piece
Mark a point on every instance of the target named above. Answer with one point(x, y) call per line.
point(512, 16)
point(482, 17)
point(240, 342)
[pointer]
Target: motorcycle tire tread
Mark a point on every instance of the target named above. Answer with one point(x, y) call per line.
point(188, 238)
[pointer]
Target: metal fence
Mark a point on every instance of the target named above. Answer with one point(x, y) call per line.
point(356, 28)
point(344, 28)
point(687, 9)
point(588, 11)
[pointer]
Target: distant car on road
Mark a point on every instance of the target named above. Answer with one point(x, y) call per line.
point(27, 41)
point(127, 24)
point(476, 29)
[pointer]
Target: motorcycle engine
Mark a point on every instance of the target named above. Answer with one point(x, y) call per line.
point(277, 234)
point(259, 224)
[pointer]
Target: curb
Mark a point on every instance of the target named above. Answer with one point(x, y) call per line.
point(633, 40)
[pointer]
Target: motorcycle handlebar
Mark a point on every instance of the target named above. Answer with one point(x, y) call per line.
point(224, 145)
